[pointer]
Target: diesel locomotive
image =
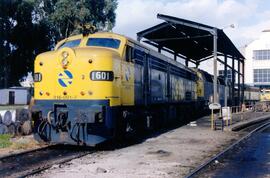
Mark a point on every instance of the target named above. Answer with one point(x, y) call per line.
point(101, 86)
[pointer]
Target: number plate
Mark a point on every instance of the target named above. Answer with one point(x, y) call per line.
point(101, 75)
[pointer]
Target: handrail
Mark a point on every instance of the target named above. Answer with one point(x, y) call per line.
point(227, 116)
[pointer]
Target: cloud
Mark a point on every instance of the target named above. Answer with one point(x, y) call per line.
point(136, 15)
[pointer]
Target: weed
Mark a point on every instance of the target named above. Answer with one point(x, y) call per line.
point(5, 140)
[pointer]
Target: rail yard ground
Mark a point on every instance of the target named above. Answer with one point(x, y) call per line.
point(14, 145)
point(171, 154)
point(18, 145)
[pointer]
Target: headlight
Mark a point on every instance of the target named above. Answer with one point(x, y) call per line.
point(65, 58)
point(65, 54)
point(37, 77)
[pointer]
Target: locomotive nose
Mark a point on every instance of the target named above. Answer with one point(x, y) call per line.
point(65, 57)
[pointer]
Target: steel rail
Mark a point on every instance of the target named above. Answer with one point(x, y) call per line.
point(54, 155)
point(25, 152)
point(211, 160)
point(45, 167)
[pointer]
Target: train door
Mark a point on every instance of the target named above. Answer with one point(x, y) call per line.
point(147, 80)
point(127, 75)
point(139, 76)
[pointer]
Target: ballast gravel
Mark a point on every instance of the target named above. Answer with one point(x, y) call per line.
point(171, 154)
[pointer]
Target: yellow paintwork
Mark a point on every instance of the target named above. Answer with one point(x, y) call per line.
point(200, 85)
point(265, 95)
point(177, 89)
point(127, 88)
point(120, 91)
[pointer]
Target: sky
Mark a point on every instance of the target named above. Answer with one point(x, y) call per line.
point(249, 17)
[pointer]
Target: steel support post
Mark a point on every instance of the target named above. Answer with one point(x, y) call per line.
point(243, 80)
point(239, 84)
point(197, 64)
point(186, 62)
point(226, 79)
point(159, 48)
point(233, 82)
point(215, 64)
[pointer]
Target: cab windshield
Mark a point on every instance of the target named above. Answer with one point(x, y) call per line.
point(104, 42)
point(71, 43)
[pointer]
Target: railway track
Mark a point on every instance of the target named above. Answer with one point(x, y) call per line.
point(32, 162)
point(35, 161)
point(252, 130)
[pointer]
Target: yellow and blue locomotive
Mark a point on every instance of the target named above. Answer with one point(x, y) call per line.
point(96, 87)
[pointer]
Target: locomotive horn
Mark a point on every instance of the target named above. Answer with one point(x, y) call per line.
point(88, 29)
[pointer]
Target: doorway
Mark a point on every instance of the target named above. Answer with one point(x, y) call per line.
point(11, 97)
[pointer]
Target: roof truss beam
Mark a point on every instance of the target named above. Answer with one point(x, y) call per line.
point(193, 25)
point(236, 71)
point(170, 51)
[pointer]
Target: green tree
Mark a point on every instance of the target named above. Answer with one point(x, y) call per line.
point(69, 16)
point(5, 27)
point(21, 39)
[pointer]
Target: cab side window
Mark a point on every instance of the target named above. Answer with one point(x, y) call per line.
point(129, 54)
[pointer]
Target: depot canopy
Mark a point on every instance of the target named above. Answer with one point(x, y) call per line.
point(188, 39)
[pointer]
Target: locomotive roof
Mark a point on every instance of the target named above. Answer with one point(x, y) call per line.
point(161, 56)
point(122, 37)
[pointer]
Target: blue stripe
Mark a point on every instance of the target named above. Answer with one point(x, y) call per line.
point(62, 83)
point(73, 102)
point(68, 74)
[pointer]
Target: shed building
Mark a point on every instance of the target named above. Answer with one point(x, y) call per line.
point(14, 96)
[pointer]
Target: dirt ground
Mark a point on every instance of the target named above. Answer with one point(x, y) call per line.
point(172, 154)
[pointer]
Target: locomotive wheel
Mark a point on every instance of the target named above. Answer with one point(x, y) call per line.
point(149, 122)
point(119, 128)
point(158, 118)
point(124, 127)
point(161, 118)
point(128, 123)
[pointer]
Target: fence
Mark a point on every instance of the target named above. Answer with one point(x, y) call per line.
point(225, 114)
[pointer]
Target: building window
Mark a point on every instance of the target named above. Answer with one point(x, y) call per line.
point(261, 54)
point(261, 75)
